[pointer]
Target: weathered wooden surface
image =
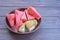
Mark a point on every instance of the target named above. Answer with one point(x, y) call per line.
point(50, 25)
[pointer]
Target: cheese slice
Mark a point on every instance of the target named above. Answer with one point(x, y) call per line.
point(31, 25)
point(22, 28)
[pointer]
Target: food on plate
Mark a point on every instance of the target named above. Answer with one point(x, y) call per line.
point(22, 28)
point(11, 18)
point(29, 17)
point(23, 18)
point(21, 15)
point(33, 12)
point(31, 25)
point(20, 20)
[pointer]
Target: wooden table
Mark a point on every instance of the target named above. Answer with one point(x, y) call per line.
point(50, 25)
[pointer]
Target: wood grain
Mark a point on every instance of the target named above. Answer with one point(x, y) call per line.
point(41, 34)
point(54, 3)
point(44, 11)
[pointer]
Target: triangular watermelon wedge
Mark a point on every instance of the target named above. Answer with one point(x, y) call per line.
point(21, 14)
point(11, 18)
point(18, 15)
point(23, 18)
point(33, 12)
point(29, 17)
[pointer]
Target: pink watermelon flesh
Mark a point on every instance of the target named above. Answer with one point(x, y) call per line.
point(23, 18)
point(18, 15)
point(33, 12)
point(28, 16)
point(11, 18)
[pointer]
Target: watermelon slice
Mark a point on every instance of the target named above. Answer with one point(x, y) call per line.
point(18, 21)
point(23, 18)
point(29, 17)
point(11, 18)
point(33, 12)
point(19, 13)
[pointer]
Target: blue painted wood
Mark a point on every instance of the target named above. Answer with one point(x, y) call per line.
point(55, 3)
point(41, 34)
point(44, 11)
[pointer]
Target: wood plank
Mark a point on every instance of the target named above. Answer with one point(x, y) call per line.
point(18, 2)
point(47, 22)
point(50, 22)
point(55, 3)
point(44, 11)
point(41, 34)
